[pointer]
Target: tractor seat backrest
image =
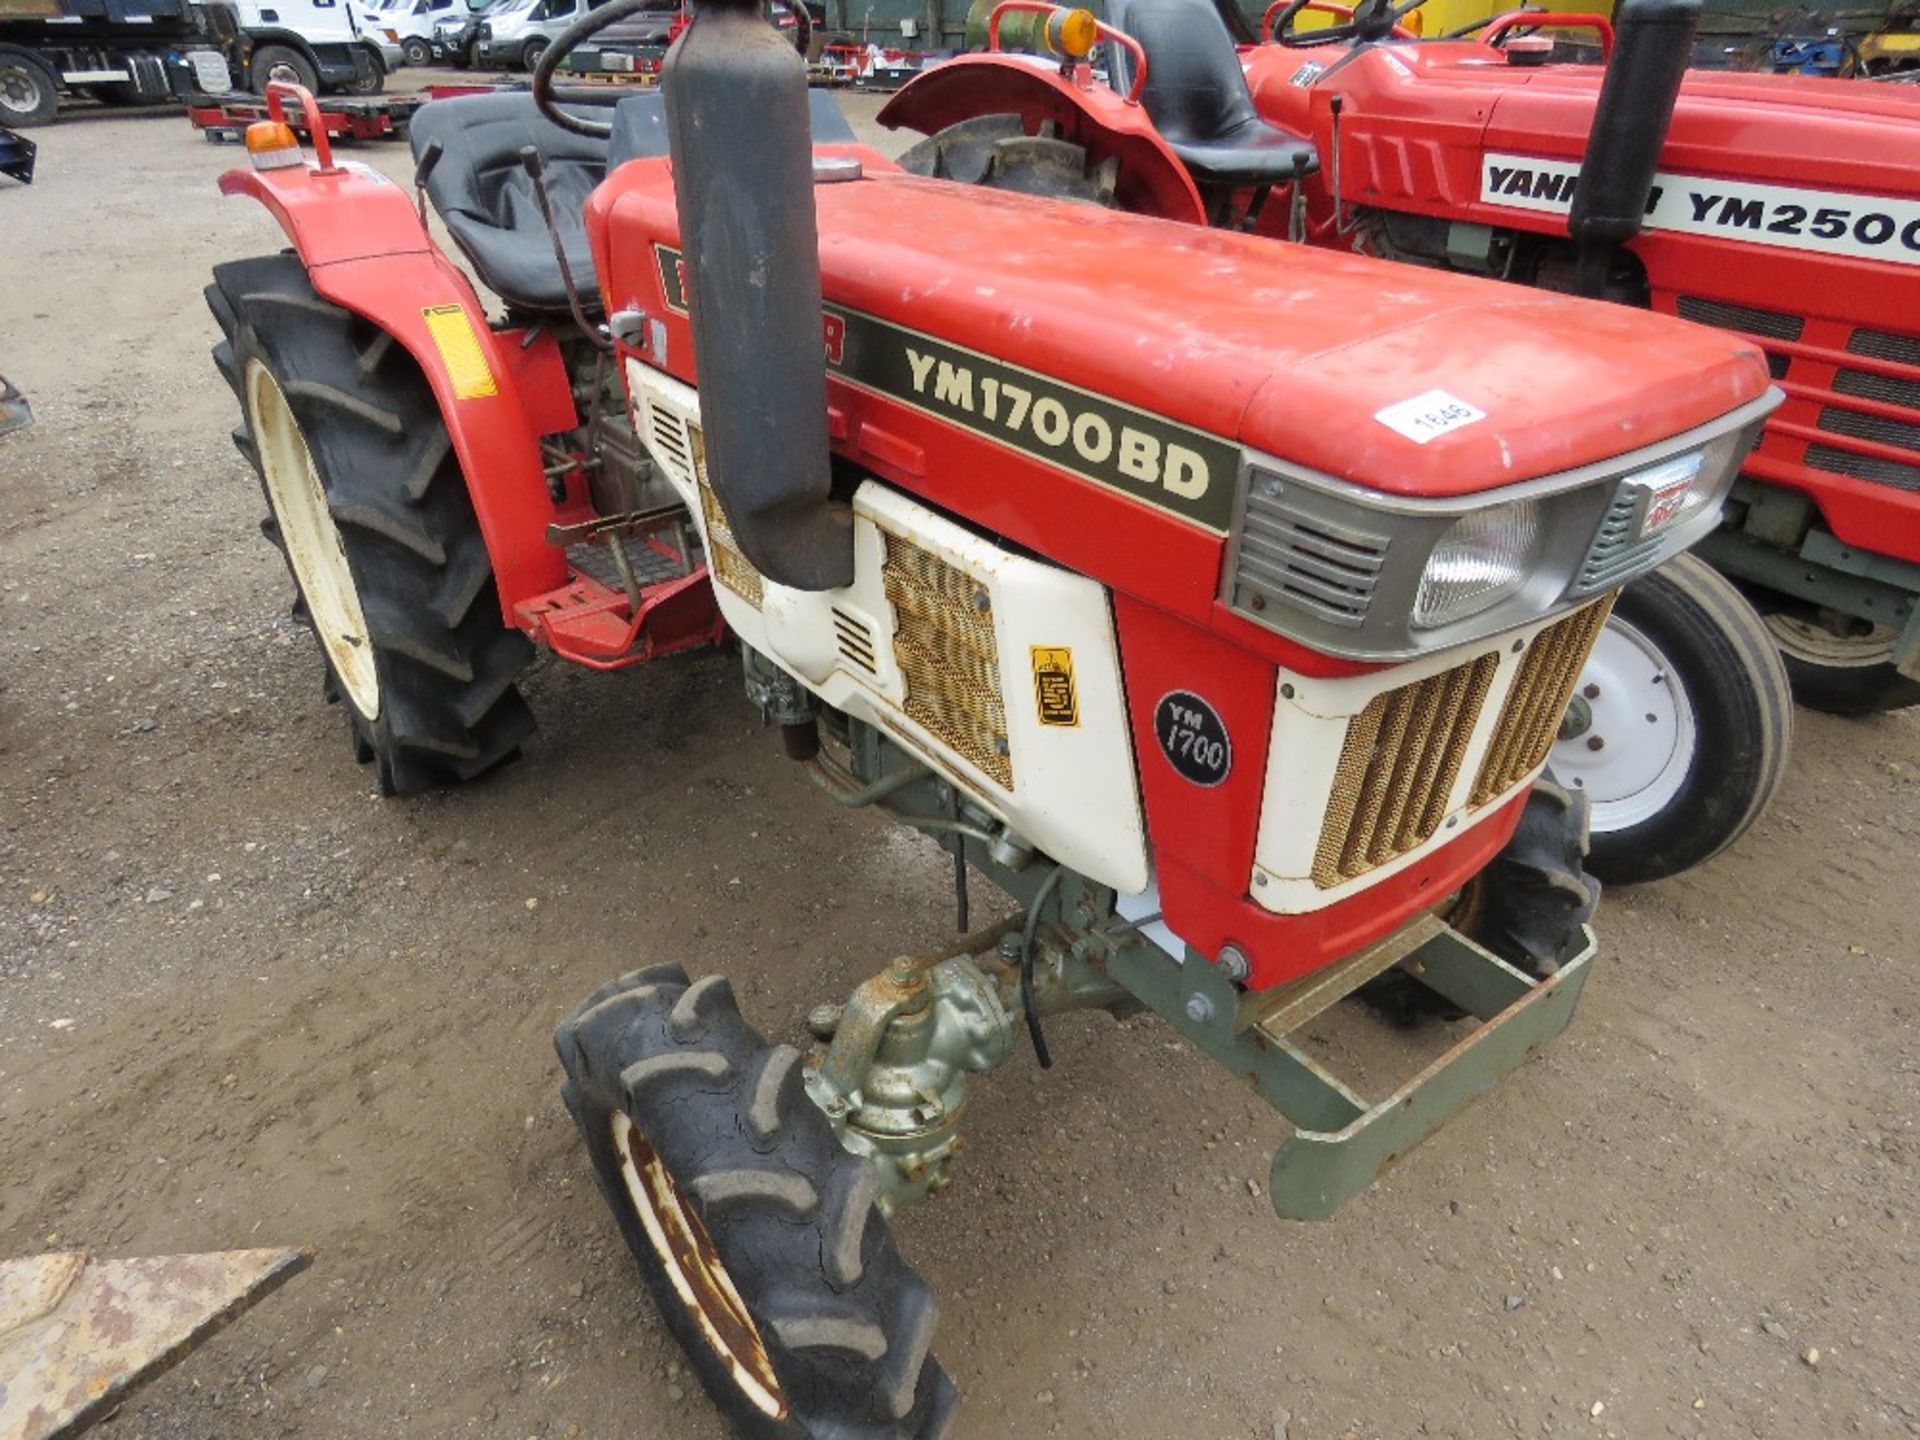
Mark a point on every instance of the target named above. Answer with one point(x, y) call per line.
point(483, 193)
point(1195, 87)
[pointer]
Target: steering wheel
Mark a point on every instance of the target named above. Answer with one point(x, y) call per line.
point(1368, 21)
point(549, 97)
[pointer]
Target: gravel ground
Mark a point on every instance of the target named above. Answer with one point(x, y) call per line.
point(245, 1002)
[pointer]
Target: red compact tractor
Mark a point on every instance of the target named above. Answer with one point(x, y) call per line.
point(1218, 601)
point(1783, 209)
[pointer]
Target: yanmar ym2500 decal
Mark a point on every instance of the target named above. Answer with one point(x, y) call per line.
point(1868, 227)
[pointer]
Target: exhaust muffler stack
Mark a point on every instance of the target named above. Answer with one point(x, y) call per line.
point(1652, 45)
point(737, 128)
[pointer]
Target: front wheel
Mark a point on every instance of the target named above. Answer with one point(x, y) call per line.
point(29, 94)
point(282, 63)
point(1844, 668)
point(1679, 728)
point(530, 57)
point(417, 52)
point(756, 1233)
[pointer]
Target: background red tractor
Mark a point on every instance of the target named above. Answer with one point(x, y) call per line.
point(1016, 507)
point(1782, 208)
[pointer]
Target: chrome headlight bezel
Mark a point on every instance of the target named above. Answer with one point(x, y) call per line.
point(1336, 566)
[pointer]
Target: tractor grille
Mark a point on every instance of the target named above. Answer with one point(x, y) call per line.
point(1538, 700)
point(1772, 324)
point(1397, 768)
point(1843, 422)
point(730, 567)
point(949, 663)
point(1896, 390)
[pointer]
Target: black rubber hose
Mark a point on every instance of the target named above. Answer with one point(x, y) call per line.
point(1027, 1002)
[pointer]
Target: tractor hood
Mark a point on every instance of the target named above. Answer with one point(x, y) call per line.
point(1043, 326)
point(1834, 135)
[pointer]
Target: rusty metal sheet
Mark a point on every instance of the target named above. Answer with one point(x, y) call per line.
point(78, 1333)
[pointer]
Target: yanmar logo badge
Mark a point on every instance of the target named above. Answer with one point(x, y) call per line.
point(1186, 472)
point(1867, 227)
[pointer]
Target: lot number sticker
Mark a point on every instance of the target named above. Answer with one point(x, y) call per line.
point(1429, 416)
point(1193, 737)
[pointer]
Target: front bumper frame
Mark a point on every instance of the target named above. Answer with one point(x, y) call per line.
point(1341, 1143)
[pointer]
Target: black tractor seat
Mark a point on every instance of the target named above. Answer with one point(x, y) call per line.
point(1197, 97)
point(484, 194)
point(482, 191)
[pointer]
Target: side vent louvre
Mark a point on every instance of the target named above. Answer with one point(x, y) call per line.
point(1325, 569)
point(855, 641)
point(1614, 551)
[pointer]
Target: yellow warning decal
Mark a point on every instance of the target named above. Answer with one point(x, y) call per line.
point(1053, 690)
point(460, 351)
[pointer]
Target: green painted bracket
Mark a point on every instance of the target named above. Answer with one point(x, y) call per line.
point(1341, 1143)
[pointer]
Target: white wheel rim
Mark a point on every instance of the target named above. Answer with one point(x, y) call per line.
point(686, 1253)
point(1811, 642)
point(1631, 701)
point(313, 541)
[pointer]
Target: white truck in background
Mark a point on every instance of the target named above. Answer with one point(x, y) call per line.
point(133, 52)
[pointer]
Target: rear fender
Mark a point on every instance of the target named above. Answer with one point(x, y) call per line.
point(366, 251)
point(1152, 181)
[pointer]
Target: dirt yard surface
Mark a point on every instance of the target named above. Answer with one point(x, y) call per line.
point(244, 1002)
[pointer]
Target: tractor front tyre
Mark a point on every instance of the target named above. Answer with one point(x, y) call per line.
point(368, 504)
point(283, 63)
point(417, 51)
point(29, 91)
point(1527, 906)
point(995, 152)
point(755, 1232)
point(1679, 729)
point(1846, 673)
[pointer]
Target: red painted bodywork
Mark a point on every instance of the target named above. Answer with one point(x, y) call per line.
point(1152, 181)
point(1283, 350)
point(366, 251)
point(1417, 118)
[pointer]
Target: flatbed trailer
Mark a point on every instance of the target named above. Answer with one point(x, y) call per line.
point(223, 119)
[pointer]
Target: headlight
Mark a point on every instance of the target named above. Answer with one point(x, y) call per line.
point(1482, 558)
point(1371, 575)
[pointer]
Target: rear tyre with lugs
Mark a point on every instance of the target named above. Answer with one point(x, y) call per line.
point(1679, 730)
point(755, 1232)
point(368, 505)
